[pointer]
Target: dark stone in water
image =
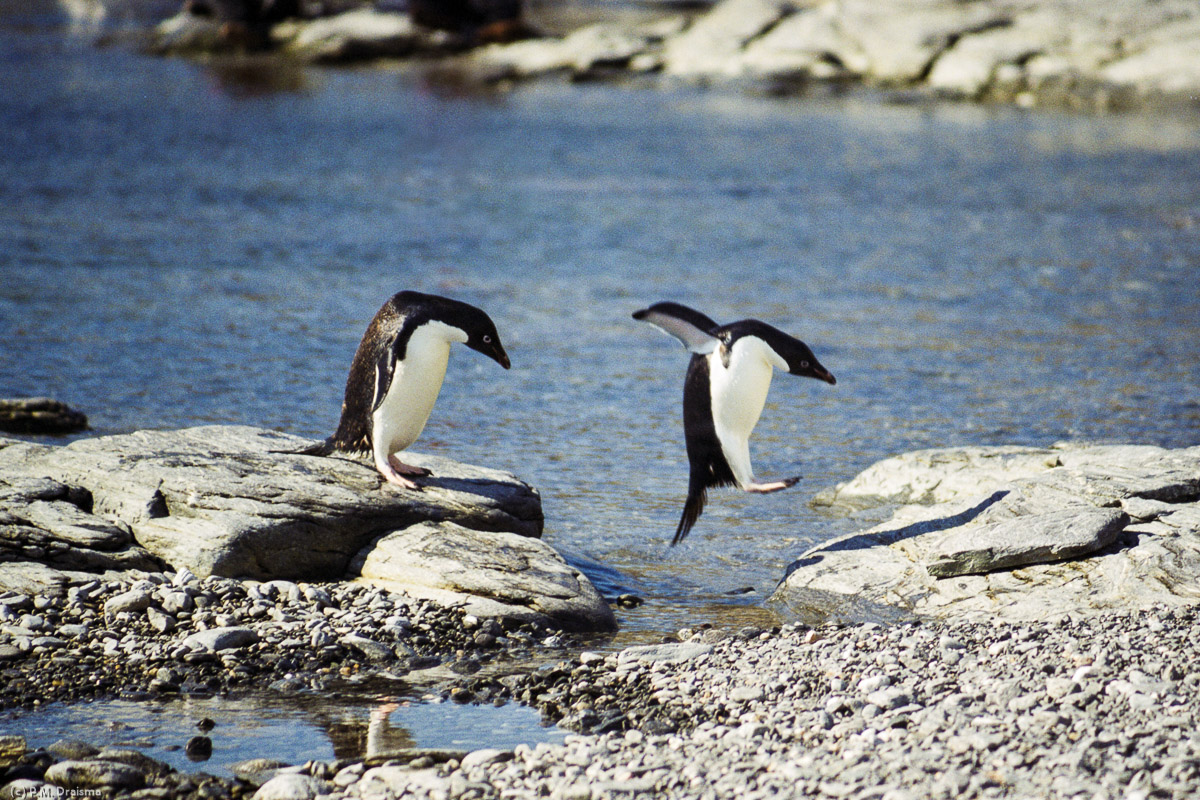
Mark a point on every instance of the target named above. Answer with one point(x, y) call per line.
point(205, 725)
point(72, 750)
point(198, 748)
point(40, 415)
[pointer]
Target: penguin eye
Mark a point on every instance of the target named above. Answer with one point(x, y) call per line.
point(803, 365)
point(487, 339)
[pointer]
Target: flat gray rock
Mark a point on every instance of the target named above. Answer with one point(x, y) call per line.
point(1015, 533)
point(1036, 539)
point(214, 640)
point(489, 573)
point(667, 653)
point(227, 500)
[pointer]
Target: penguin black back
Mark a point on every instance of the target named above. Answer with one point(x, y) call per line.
point(384, 344)
point(707, 465)
point(724, 393)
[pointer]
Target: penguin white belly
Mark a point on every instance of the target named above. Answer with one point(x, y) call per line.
point(739, 393)
point(416, 382)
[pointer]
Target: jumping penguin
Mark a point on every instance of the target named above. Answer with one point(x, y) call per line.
point(723, 396)
point(397, 373)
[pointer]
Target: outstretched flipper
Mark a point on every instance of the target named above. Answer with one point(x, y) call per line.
point(686, 324)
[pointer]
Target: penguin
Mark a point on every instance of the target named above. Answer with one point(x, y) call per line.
point(724, 394)
point(397, 373)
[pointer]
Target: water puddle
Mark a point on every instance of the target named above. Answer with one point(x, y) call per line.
point(294, 732)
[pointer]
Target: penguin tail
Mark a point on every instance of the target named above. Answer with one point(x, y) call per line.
point(692, 508)
point(325, 448)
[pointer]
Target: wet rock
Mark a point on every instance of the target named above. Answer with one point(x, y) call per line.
point(72, 750)
point(489, 574)
point(356, 35)
point(373, 650)
point(40, 415)
point(198, 748)
point(22, 788)
point(11, 749)
point(292, 787)
point(584, 51)
point(257, 771)
point(713, 44)
point(95, 775)
point(1019, 533)
point(231, 501)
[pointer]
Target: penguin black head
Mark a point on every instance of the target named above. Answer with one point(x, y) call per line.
point(795, 353)
point(474, 322)
point(482, 337)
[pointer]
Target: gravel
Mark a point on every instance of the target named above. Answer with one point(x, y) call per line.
point(1096, 708)
point(172, 633)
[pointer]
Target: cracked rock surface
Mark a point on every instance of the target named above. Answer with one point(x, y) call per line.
point(1017, 533)
point(238, 502)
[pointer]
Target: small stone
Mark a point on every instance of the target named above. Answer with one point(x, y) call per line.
point(889, 698)
point(72, 750)
point(72, 774)
point(132, 601)
point(290, 786)
point(373, 650)
point(163, 623)
point(488, 755)
point(11, 749)
point(257, 771)
point(218, 639)
point(198, 748)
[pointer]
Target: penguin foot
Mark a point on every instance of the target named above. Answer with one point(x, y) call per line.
point(392, 475)
point(407, 469)
point(773, 486)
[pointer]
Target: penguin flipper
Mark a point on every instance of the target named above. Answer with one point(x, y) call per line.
point(686, 324)
point(385, 368)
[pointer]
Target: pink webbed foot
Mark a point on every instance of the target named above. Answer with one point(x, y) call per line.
point(773, 486)
point(392, 475)
point(407, 469)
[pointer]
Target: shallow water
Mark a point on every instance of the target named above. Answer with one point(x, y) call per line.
point(182, 245)
point(179, 247)
point(290, 730)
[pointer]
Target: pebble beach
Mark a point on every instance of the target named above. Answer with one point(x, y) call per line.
point(1091, 707)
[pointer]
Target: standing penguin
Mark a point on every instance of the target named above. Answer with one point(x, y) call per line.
point(723, 396)
point(397, 373)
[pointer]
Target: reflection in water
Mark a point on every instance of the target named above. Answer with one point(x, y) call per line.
point(978, 276)
point(382, 735)
point(293, 730)
point(254, 76)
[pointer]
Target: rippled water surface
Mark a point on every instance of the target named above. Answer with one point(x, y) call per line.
point(182, 245)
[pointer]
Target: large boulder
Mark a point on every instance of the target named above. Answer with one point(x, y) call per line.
point(1018, 533)
point(240, 502)
point(233, 501)
point(490, 574)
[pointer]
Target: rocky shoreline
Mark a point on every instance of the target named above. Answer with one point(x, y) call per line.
point(1002, 670)
point(1097, 707)
point(1074, 54)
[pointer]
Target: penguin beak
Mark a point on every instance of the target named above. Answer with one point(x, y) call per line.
point(500, 356)
point(818, 372)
